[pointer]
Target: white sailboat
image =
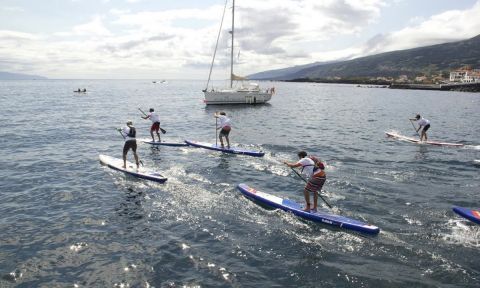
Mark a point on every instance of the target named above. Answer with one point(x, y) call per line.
point(249, 93)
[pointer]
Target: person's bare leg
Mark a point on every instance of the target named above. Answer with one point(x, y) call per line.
point(158, 134)
point(221, 141)
point(151, 133)
point(315, 200)
point(307, 200)
point(136, 159)
point(228, 142)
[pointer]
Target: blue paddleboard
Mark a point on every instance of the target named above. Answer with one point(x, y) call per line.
point(231, 150)
point(470, 214)
point(163, 143)
point(295, 208)
point(117, 164)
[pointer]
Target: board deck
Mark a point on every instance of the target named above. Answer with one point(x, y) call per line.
point(417, 141)
point(117, 164)
point(470, 214)
point(232, 150)
point(291, 206)
point(164, 143)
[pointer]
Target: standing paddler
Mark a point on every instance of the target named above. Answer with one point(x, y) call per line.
point(313, 170)
point(422, 122)
point(155, 123)
point(225, 125)
point(129, 132)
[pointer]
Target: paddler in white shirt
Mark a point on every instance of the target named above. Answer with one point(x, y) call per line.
point(155, 123)
point(225, 125)
point(128, 132)
point(313, 170)
point(422, 122)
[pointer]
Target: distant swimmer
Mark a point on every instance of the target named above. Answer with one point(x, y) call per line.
point(129, 132)
point(422, 123)
point(155, 123)
point(84, 90)
point(225, 125)
point(313, 170)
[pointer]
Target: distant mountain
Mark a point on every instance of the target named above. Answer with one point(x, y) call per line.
point(18, 76)
point(280, 73)
point(428, 60)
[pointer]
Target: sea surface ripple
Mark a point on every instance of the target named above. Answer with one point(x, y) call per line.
point(68, 221)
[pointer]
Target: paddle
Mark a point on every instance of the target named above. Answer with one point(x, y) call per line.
point(120, 131)
point(330, 206)
point(161, 129)
point(414, 127)
point(216, 131)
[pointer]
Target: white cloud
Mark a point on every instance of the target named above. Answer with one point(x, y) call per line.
point(92, 28)
point(11, 9)
point(445, 27)
point(178, 43)
point(7, 35)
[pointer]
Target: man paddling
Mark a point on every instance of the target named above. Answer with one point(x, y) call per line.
point(128, 132)
point(225, 125)
point(422, 122)
point(313, 169)
point(155, 123)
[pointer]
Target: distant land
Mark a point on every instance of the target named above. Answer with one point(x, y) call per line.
point(429, 61)
point(18, 76)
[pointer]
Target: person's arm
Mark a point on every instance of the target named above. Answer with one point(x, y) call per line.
point(123, 132)
point(293, 165)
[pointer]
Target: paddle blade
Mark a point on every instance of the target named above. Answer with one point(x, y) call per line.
point(163, 130)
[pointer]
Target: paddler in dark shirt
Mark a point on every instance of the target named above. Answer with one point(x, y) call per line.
point(129, 133)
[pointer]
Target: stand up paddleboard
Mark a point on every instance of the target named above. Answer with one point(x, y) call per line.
point(417, 141)
point(470, 214)
point(291, 206)
point(117, 164)
point(173, 144)
point(231, 150)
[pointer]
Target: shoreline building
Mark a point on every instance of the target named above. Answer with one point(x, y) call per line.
point(465, 75)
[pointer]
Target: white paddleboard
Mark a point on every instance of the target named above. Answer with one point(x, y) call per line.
point(417, 141)
point(131, 169)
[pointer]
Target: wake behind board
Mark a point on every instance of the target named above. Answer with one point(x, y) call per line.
point(417, 141)
point(117, 164)
point(231, 150)
point(295, 208)
point(470, 214)
point(163, 143)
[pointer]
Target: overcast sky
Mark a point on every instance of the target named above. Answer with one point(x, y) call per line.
point(155, 39)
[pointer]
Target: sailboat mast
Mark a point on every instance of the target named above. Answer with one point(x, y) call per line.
point(231, 53)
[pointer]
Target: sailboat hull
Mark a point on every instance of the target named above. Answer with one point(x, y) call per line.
point(236, 97)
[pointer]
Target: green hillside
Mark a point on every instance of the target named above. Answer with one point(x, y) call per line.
point(428, 60)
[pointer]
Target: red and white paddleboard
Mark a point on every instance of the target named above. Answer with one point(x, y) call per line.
point(417, 141)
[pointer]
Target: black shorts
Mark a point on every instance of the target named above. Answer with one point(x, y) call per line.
point(225, 132)
point(426, 128)
point(130, 144)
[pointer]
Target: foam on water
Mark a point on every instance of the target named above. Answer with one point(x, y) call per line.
point(68, 221)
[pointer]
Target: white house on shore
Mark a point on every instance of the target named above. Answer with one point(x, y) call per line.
point(465, 75)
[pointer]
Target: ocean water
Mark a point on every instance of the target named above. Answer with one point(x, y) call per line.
point(67, 221)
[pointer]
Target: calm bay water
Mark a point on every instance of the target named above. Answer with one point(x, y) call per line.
point(68, 221)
